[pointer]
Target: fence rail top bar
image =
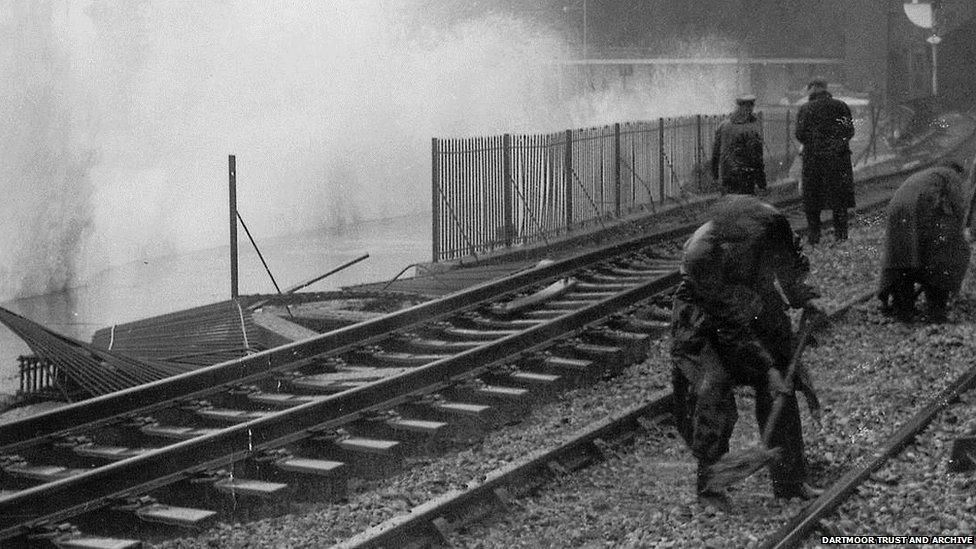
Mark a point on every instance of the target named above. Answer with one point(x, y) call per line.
point(705, 61)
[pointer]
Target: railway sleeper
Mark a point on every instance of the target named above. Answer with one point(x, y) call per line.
point(467, 420)
point(232, 497)
point(572, 304)
point(602, 287)
point(634, 345)
point(153, 520)
point(512, 324)
point(540, 384)
point(635, 324)
point(607, 359)
point(510, 400)
point(544, 314)
point(366, 457)
point(477, 334)
point(575, 371)
point(68, 536)
point(437, 345)
point(308, 479)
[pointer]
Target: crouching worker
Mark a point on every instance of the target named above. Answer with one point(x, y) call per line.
point(730, 328)
point(925, 243)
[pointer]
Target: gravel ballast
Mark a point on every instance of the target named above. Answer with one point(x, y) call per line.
point(871, 374)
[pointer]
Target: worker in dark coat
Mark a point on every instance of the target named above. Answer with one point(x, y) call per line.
point(924, 241)
point(824, 127)
point(737, 151)
point(730, 328)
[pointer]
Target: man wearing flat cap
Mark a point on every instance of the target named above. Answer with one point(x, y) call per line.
point(824, 127)
point(737, 151)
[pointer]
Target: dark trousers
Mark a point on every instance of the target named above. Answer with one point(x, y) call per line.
point(813, 225)
point(706, 414)
point(903, 295)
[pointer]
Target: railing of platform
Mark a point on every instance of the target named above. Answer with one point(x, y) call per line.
point(509, 190)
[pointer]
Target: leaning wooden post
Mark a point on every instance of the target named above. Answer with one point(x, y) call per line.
point(435, 202)
point(507, 183)
point(568, 176)
point(232, 177)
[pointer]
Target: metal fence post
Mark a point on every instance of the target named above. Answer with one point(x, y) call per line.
point(232, 188)
point(507, 184)
point(698, 150)
point(435, 202)
point(568, 171)
point(789, 138)
point(660, 157)
point(616, 169)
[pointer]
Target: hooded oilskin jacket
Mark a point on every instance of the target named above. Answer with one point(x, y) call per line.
point(728, 295)
point(924, 238)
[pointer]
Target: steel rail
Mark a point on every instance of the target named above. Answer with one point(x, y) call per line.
point(191, 385)
point(798, 528)
point(115, 407)
point(99, 487)
point(404, 529)
point(107, 409)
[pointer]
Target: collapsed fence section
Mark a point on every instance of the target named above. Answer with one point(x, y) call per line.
point(512, 190)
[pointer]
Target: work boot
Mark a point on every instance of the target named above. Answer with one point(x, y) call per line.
point(800, 490)
point(719, 500)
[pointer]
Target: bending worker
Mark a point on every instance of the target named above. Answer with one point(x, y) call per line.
point(730, 328)
point(737, 151)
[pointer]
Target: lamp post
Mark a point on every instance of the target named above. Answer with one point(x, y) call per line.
point(923, 15)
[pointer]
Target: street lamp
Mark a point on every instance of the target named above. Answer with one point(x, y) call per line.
point(923, 15)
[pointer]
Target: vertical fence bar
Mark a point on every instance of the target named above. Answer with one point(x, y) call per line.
point(507, 183)
point(698, 151)
point(435, 215)
point(660, 158)
point(568, 169)
point(232, 187)
point(616, 169)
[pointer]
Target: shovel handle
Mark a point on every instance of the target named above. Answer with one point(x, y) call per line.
point(803, 334)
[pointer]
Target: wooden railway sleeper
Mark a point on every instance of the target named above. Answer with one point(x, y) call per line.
point(635, 345)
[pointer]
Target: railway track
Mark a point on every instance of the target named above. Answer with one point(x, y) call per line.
point(306, 412)
point(296, 419)
point(433, 523)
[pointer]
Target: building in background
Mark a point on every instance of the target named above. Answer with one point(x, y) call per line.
point(774, 46)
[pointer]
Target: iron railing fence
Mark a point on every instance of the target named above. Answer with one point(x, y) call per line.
point(511, 190)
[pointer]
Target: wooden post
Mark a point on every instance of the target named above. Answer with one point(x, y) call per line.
point(616, 170)
point(232, 177)
point(507, 184)
point(660, 157)
point(568, 170)
point(435, 202)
